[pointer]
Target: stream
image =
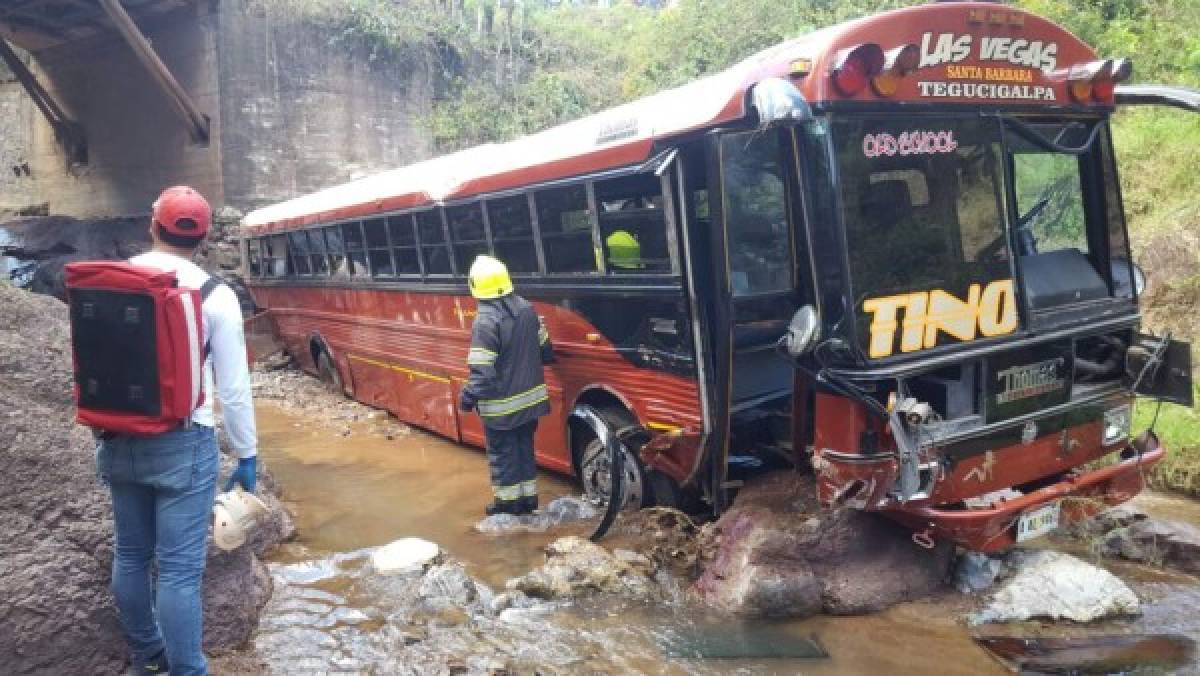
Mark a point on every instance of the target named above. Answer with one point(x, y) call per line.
point(355, 489)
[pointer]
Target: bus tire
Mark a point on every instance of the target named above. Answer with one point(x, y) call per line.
point(593, 461)
point(328, 372)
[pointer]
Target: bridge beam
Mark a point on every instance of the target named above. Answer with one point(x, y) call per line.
point(197, 122)
point(66, 131)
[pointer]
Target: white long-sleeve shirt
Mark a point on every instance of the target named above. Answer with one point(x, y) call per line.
point(227, 353)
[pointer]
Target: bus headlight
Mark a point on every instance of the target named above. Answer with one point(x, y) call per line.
point(1117, 423)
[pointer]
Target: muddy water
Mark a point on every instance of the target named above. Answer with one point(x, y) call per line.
point(362, 490)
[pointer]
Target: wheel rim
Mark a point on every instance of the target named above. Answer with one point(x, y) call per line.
point(596, 475)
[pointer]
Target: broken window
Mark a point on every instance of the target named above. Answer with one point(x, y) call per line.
point(512, 233)
point(566, 229)
point(434, 251)
point(317, 252)
point(299, 252)
point(470, 240)
point(404, 244)
point(633, 226)
point(356, 253)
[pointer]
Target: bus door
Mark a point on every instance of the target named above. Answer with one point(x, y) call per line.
point(758, 290)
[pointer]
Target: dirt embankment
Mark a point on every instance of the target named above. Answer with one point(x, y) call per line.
point(55, 517)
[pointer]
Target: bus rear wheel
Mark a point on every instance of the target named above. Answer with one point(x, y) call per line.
point(595, 472)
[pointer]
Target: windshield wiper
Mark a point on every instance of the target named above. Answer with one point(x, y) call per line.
point(1030, 133)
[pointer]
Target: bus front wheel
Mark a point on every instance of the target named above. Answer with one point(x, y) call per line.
point(594, 466)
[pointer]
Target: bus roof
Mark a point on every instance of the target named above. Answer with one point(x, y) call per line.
point(974, 53)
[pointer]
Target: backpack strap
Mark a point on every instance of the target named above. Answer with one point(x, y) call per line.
point(206, 290)
point(209, 286)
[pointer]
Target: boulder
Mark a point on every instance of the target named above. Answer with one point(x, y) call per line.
point(576, 567)
point(448, 583)
point(55, 517)
point(1053, 585)
point(404, 556)
point(1171, 543)
point(776, 553)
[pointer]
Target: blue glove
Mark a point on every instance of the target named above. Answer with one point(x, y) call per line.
point(466, 402)
point(245, 475)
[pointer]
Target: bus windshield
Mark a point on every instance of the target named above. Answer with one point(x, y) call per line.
point(922, 204)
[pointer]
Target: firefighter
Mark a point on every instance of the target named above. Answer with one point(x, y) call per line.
point(509, 345)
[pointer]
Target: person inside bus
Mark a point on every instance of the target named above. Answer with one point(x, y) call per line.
point(506, 386)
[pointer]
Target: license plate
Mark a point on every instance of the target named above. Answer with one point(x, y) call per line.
point(1037, 523)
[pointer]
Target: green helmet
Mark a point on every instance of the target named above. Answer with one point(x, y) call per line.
point(624, 251)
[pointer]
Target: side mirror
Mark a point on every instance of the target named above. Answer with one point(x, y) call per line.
point(802, 332)
point(778, 100)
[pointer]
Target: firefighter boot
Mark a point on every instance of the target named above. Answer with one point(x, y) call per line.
point(499, 506)
point(528, 504)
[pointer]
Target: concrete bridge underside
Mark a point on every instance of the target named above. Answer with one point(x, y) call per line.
point(104, 102)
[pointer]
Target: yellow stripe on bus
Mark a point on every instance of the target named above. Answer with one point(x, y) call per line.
point(401, 369)
point(663, 427)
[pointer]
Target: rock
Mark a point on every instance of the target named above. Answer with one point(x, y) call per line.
point(976, 571)
point(448, 583)
point(1170, 543)
point(404, 556)
point(55, 517)
point(1058, 586)
point(776, 553)
point(237, 586)
point(576, 567)
point(570, 508)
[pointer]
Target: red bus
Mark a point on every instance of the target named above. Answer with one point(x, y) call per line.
point(892, 251)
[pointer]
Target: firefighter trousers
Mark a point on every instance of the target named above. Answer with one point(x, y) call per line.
point(510, 459)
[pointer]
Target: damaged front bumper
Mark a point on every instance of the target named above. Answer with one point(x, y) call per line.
point(1082, 495)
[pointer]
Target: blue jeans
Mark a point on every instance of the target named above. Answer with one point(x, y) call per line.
point(162, 494)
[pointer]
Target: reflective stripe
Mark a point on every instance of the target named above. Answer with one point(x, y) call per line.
point(529, 488)
point(507, 492)
point(481, 357)
point(543, 334)
point(491, 408)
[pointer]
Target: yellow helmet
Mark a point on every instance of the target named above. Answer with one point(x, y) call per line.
point(489, 278)
point(624, 251)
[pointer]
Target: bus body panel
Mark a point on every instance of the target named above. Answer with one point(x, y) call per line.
point(405, 352)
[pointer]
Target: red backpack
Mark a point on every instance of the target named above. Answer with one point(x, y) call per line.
point(138, 343)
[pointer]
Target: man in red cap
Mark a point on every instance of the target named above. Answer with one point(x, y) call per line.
point(163, 486)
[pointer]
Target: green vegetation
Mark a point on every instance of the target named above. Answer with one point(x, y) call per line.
point(1179, 429)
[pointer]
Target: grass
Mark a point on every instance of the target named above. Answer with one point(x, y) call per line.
point(1179, 429)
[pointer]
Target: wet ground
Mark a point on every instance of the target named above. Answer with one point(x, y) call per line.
point(351, 487)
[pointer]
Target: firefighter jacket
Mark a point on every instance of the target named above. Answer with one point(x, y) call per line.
point(509, 344)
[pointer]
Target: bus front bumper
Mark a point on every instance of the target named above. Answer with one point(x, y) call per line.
point(1080, 495)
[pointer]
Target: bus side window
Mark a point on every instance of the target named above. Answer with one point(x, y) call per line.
point(633, 226)
point(466, 229)
point(356, 252)
point(337, 251)
point(512, 233)
point(379, 255)
point(433, 242)
point(254, 257)
point(566, 229)
point(317, 252)
point(299, 252)
point(277, 256)
point(404, 244)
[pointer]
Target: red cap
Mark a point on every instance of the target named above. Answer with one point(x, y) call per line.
point(182, 211)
